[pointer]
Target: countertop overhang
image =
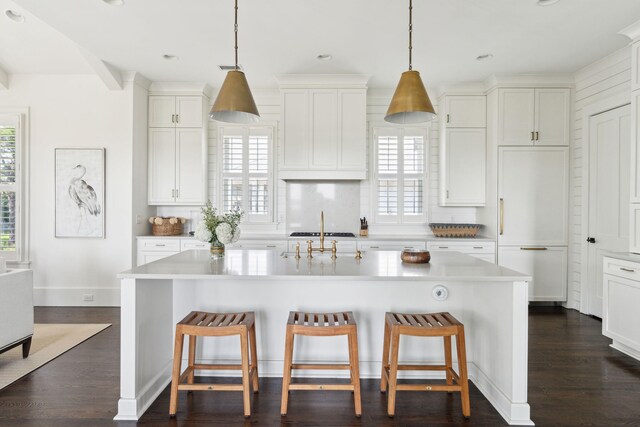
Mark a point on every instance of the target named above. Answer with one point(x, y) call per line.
point(374, 266)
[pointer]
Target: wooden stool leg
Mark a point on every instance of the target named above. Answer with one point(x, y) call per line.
point(192, 358)
point(447, 359)
point(244, 348)
point(462, 367)
point(175, 375)
point(385, 357)
point(254, 356)
point(354, 365)
point(286, 373)
point(393, 372)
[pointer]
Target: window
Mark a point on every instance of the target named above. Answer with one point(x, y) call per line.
point(10, 235)
point(399, 175)
point(247, 171)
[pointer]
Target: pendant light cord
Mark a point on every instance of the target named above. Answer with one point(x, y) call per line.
point(235, 31)
point(410, 30)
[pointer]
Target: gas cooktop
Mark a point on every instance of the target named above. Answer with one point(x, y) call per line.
point(317, 234)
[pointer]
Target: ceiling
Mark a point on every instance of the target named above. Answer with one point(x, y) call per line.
point(285, 36)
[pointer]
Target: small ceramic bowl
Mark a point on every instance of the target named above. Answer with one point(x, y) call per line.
point(415, 257)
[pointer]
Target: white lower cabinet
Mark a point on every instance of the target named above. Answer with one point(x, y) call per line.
point(546, 265)
point(481, 250)
point(145, 257)
point(621, 316)
point(387, 245)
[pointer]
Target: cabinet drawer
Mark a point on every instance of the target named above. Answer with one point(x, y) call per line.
point(168, 245)
point(464, 247)
point(622, 268)
point(185, 245)
point(262, 244)
point(391, 245)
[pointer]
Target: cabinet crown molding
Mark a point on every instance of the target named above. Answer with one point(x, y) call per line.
point(632, 31)
point(180, 88)
point(341, 81)
point(530, 80)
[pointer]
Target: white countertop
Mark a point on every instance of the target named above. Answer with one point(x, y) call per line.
point(371, 237)
point(374, 265)
point(627, 256)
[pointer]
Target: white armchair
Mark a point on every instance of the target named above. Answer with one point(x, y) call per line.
point(16, 310)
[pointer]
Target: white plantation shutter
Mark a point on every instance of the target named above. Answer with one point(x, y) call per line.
point(247, 171)
point(9, 187)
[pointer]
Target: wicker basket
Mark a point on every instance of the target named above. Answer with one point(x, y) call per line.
point(167, 229)
point(455, 230)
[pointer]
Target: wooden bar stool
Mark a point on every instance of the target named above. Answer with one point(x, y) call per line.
point(321, 325)
point(424, 325)
point(201, 324)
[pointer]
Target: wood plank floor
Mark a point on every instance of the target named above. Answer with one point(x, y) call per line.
point(575, 379)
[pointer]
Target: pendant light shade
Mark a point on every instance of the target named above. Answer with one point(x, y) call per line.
point(410, 102)
point(235, 103)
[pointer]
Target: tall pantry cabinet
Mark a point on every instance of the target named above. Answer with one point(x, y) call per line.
point(528, 151)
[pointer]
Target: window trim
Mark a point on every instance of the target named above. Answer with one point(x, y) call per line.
point(265, 129)
point(401, 132)
point(22, 186)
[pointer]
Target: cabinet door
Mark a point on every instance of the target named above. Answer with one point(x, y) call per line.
point(466, 111)
point(462, 162)
point(533, 192)
point(547, 266)
point(552, 116)
point(621, 316)
point(191, 166)
point(635, 147)
point(324, 128)
point(352, 113)
point(162, 166)
point(634, 228)
point(162, 110)
point(516, 116)
point(295, 135)
point(189, 111)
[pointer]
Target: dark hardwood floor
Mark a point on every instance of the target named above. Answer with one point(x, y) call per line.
point(575, 379)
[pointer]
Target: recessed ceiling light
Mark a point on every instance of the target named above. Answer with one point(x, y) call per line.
point(169, 57)
point(14, 16)
point(324, 57)
point(485, 57)
point(547, 2)
point(114, 2)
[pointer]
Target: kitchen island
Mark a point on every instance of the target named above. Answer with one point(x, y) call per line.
point(490, 300)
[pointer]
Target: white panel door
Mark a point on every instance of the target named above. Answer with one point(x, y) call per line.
point(609, 145)
point(547, 266)
point(324, 128)
point(162, 166)
point(189, 111)
point(552, 118)
point(191, 167)
point(464, 166)
point(353, 129)
point(295, 119)
point(533, 191)
point(516, 116)
point(466, 111)
point(162, 110)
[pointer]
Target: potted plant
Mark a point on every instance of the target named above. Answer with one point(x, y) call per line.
point(218, 230)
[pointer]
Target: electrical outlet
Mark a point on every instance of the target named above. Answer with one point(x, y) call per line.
point(87, 297)
point(138, 219)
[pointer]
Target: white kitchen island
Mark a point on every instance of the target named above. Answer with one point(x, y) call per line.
point(490, 300)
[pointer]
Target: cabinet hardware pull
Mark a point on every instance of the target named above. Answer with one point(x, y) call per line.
point(271, 246)
point(478, 247)
point(501, 216)
point(533, 136)
point(374, 247)
point(443, 247)
point(629, 270)
point(447, 194)
point(447, 118)
point(537, 136)
point(173, 193)
point(177, 194)
point(159, 245)
point(533, 249)
point(173, 118)
point(177, 118)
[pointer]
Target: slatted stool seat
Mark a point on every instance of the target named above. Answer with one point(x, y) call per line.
point(201, 324)
point(424, 325)
point(321, 325)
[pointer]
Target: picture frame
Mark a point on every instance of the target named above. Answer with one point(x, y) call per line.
point(79, 192)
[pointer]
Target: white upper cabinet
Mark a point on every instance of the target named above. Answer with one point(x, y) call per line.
point(168, 111)
point(462, 167)
point(191, 166)
point(324, 129)
point(465, 111)
point(162, 166)
point(534, 116)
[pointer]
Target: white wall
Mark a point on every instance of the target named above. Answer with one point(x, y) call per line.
point(77, 111)
point(605, 78)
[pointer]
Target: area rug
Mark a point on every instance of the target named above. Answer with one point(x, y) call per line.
point(50, 340)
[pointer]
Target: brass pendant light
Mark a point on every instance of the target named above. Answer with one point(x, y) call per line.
point(235, 103)
point(410, 102)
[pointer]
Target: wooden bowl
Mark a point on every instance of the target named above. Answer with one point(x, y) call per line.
point(415, 257)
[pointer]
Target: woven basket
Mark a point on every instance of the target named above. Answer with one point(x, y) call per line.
point(455, 230)
point(167, 229)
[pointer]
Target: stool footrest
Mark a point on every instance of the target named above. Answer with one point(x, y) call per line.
point(348, 387)
point(428, 387)
point(422, 368)
point(211, 387)
point(318, 366)
point(213, 367)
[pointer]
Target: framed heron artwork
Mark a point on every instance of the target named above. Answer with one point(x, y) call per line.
point(79, 192)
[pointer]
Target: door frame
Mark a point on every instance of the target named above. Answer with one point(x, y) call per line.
point(599, 107)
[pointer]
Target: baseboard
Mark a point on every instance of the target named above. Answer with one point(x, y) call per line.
point(75, 297)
